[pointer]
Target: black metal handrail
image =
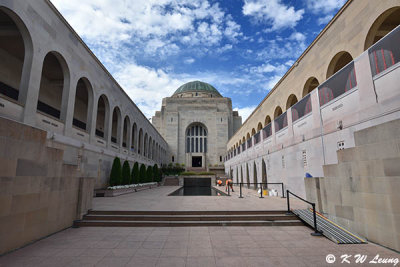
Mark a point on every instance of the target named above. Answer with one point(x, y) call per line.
point(316, 231)
point(261, 186)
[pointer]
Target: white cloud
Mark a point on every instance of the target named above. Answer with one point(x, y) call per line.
point(158, 26)
point(324, 20)
point(272, 12)
point(326, 6)
point(146, 86)
point(245, 112)
point(189, 61)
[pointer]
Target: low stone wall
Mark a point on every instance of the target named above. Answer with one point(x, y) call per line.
point(361, 192)
point(39, 194)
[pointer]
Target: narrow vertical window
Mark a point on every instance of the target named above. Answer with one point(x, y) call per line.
point(197, 145)
point(201, 145)
point(205, 145)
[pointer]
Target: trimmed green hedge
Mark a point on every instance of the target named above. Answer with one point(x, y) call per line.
point(135, 174)
point(142, 174)
point(149, 174)
point(116, 172)
point(126, 173)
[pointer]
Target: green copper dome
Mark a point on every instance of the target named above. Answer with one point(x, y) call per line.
point(197, 86)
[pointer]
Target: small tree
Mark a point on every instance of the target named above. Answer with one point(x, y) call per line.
point(149, 174)
point(156, 173)
point(126, 173)
point(116, 172)
point(135, 173)
point(142, 174)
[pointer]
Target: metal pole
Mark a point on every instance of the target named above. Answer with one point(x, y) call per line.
point(261, 194)
point(288, 203)
point(240, 185)
point(316, 232)
point(283, 192)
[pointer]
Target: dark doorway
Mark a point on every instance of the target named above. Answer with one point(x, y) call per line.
point(196, 161)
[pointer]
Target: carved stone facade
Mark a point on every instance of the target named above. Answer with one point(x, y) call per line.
point(196, 122)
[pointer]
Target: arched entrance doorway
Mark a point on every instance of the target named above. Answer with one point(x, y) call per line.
point(255, 175)
point(264, 174)
point(196, 145)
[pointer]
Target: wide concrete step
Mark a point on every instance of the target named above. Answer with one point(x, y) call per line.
point(184, 223)
point(269, 217)
point(190, 212)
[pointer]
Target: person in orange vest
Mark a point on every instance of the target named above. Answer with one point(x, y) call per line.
point(219, 182)
point(229, 182)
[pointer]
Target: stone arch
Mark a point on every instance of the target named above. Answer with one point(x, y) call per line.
point(83, 104)
point(277, 112)
point(54, 84)
point(16, 43)
point(259, 127)
point(125, 132)
point(196, 138)
point(247, 175)
point(103, 111)
point(267, 120)
point(292, 99)
point(149, 154)
point(116, 126)
point(254, 175)
point(310, 85)
point(340, 60)
point(145, 144)
point(248, 136)
point(253, 132)
point(264, 174)
point(140, 142)
point(134, 137)
point(383, 24)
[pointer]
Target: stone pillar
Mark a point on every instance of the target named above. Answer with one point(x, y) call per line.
point(68, 105)
point(93, 120)
point(30, 86)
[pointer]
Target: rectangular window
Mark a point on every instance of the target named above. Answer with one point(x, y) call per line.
point(173, 158)
point(187, 145)
point(220, 158)
point(257, 138)
point(197, 145)
point(192, 146)
point(281, 122)
point(205, 145)
point(267, 131)
point(385, 53)
point(201, 145)
point(341, 82)
point(302, 108)
point(192, 131)
point(197, 130)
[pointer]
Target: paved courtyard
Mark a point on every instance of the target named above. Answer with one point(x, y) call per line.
point(158, 199)
point(188, 246)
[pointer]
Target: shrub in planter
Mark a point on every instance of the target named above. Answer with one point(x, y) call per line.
point(135, 174)
point(142, 174)
point(116, 172)
point(149, 174)
point(156, 173)
point(126, 173)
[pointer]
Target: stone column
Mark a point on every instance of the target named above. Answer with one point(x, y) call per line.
point(30, 86)
point(68, 104)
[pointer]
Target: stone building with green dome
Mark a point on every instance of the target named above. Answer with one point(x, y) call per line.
point(197, 122)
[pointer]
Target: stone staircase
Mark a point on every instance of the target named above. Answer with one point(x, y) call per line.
point(186, 218)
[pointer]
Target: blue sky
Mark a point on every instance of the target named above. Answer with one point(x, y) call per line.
point(242, 47)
